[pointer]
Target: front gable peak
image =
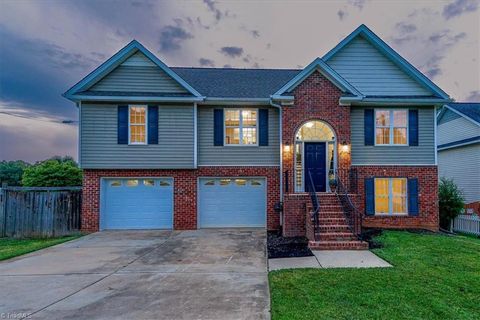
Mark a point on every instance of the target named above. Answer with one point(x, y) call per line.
point(375, 69)
point(326, 71)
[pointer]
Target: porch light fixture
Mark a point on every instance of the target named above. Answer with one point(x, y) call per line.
point(286, 148)
point(344, 147)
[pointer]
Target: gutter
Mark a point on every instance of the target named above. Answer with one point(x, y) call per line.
point(353, 101)
point(77, 98)
point(235, 101)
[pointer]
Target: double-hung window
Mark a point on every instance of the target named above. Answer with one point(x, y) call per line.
point(241, 126)
point(391, 196)
point(391, 127)
point(137, 124)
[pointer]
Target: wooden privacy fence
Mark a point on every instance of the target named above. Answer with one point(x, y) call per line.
point(467, 224)
point(39, 212)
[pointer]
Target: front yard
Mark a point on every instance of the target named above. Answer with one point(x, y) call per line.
point(434, 277)
point(10, 248)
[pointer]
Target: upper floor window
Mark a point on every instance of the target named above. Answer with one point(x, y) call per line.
point(137, 125)
point(241, 126)
point(391, 127)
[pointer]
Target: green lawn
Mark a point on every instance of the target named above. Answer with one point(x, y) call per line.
point(434, 277)
point(10, 248)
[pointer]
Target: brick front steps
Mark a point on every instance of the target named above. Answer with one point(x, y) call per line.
point(333, 231)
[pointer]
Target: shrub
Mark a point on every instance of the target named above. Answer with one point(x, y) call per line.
point(451, 201)
point(11, 172)
point(54, 172)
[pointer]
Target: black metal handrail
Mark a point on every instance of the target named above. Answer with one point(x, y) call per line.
point(315, 204)
point(352, 214)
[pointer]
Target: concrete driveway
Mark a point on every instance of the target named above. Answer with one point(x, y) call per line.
point(203, 274)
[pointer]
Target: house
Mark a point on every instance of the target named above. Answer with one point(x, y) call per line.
point(187, 148)
point(458, 127)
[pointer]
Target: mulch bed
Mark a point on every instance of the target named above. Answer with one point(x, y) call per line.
point(280, 247)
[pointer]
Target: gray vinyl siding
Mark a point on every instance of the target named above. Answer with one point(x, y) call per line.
point(457, 129)
point(448, 116)
point(99, 148)
point(371, 72)
point(462, 165)
point(138, 74)
point(423, 154)
point(210, 155)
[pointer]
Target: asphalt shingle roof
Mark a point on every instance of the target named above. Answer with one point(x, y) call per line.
point(470, 109)
point(236, 83)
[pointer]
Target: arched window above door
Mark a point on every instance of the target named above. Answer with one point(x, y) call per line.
point(311, 132)
point(315, 131)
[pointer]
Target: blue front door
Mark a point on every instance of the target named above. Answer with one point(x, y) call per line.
point(315, 164)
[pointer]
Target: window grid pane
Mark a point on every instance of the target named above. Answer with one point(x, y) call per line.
point(391, 127)
point(381, 196)
point(241, 126)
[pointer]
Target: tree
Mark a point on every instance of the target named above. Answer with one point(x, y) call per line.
point(451, 202)
point(11, 172)
point(54, 172)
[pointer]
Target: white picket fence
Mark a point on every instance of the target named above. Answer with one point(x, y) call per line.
point(467, 224)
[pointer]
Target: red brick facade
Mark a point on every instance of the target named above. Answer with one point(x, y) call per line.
point(427, 196)
point(316, 98)
point(185, 192)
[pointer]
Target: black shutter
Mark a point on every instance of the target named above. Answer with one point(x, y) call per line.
point(413, 197)
point(369, 196)
point(369, 127)
point(152, 124)
point(413, 127)
point(122, 125)
point(218, 127)
point(263, 127)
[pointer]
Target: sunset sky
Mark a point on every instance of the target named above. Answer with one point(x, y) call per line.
point(48, 46)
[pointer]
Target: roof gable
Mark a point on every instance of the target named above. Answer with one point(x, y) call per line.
point(469, 111)
point(133, 55)
point(326, 71)
point(374, 68)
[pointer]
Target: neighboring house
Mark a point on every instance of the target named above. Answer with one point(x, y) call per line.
point(458, 128)
point(187, 148)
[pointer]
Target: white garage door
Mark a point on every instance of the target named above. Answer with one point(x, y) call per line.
point(133, 203)
point(232, 202)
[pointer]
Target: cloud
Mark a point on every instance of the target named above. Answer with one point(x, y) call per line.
point(232, 52)
point(206, 62)
point(405, 28)
point(212, 7)
point(56, 138)
point(359, 4)
point(473, 96)
point(142, 4)
point(459, 7)
point(445, 38)
point(171, 37)
point(341, 14)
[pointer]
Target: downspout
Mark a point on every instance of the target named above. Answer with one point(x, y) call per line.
point(281, 154)
point(79, 148)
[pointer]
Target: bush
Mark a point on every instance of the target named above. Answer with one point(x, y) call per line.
point(11, 172)
point(54, 172)
point(451, 202)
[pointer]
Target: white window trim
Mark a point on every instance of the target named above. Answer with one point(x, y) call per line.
point(391, 126)
point(240, 128)
point(146, 125)
point(390, 199)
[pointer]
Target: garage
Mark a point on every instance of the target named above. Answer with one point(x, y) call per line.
point(232, 202)
point(137, 203)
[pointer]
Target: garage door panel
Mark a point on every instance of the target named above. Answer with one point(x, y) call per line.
point(236, 202)
point(138, 204)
